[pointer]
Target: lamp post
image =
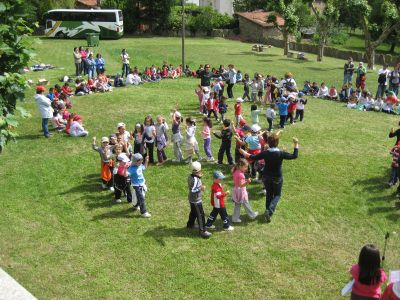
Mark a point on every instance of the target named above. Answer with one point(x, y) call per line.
point(183, 34)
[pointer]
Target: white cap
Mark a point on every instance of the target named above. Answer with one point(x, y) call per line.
point(196, 166)
point(123, 157)
point(239, 100)
point(255, 128)
point(178, 114)
point(206, 89)
point(121, 125)
point(104, 139)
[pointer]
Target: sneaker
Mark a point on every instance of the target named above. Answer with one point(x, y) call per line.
point(236, 221)
point(200, 158)
point(205, 234)
point(176, 160)
point(146, 215)
point(267, 218)
point(118, 201)
point(254, 216)
point(112, 189)
point(210, 159)
point(104, 186)
point(210, 227)
point(136, 208)
point(230, 228)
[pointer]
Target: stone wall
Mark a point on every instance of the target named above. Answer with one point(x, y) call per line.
point(252, 32)
point(224, 33)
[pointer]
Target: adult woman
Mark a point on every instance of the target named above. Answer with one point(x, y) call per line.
point(44, 106)
point(395, 79)
point(272, 173)
point(125, 62)
point(100, 63)
point(361, 76)
point(91, 65)
point(84, 55)
point(78, 61)
point(231, 80)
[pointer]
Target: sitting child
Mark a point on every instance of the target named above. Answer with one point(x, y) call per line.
point(323, 91)
point(77, 129)
point(332, 95)
point(58, 122)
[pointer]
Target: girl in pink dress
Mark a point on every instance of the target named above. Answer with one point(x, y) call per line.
point(239, 194)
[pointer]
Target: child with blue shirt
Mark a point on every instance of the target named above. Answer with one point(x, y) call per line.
point(51, 94)
point(253, 144)
point(283, 111)
point(138, 182)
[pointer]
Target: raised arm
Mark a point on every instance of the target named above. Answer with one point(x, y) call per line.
point(295, 153)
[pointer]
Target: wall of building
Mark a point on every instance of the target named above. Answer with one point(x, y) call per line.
point(222, 6)
point(252, 32)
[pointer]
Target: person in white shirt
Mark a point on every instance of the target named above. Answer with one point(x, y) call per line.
point(254, 90)
point(288, 82)
point(270, 114)
point(44, 106)
point(76, 129)
point(133, 78)
point(123, 132)
point(125, 62)
point(323, 91)
point(383, 75)
point(232, 80)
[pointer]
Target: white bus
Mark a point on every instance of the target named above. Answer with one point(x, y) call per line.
point(75, 23)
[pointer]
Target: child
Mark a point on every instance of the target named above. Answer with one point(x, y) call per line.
point(218, 202)
point(217, 88)
point(66, 89)
point(300, 107)
point(198, 91)
point(149, 137)
point(252, 141)
point(107, 164)
point(239, 193)
point(205, 96)
point(207, 125)
point(226, 141)
point(212, 106)
point(51, 94)
point(76, 129)
point(254, 90)
point(323, 91)
point(161, 132)
point(246, 87)
point(270, 114)
point(58, 121)
point(192, 146)
point(291, 109)
point(176, 135)
point(137, 136)
point(121, 179)
point(254, 114)
point(395, 152)
point(139, 183)
point(222, 107)
point(196, 189)
point(333, 94)
point(392, 291)
point(260, 88)
point(268, 92)
point(238, 111)
point(283, 112)
point(367, 274)
point(121, 127)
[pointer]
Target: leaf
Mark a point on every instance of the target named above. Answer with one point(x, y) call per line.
point(11, 120)
point(24, 113)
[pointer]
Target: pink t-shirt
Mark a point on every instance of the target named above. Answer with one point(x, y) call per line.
point(238, 178)
point(360, 289)
point(206, 132)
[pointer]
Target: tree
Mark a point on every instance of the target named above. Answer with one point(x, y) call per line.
point(287, 10)
point(327, 19)
point(15, 53)
point(378, 19)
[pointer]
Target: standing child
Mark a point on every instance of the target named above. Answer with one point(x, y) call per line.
point(218, 202)
point(196, 189)
point(122, 182)
point(176, 135)
point(367, 274)
point(192, 146)
point(212, 106)
point(199, 92)
point(149, 137)
point(239, 193)
point(300, 107)
point(207, 125)
point(222, 107)
point(268, 91)
point(161, 133)
point(137, 135)
point(254, 90)
point(395, 152)
point(238, 111)
point(226, 141)
point(291, 109)
point(107, 164)
point(139, 183)
point(270, 114)
point(283, 112)
point(246, 87)
point(260, 88)
point(254, 114)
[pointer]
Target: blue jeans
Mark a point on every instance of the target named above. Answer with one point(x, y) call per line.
point(348, 78)
point(45, 126)
point(273, 186)
point(381, 90)
point(125, 70)
point(139, 191)
point(395, 88)
point(90, 73)
point(393, 176)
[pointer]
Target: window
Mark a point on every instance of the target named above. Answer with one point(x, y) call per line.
point(49, 24)
point(120, 16)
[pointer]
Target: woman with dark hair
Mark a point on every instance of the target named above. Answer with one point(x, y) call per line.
point(368, 275)
point(78, 61)
point(272, 172)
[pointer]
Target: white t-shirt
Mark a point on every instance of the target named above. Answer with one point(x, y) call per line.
point(386, 72)
point(125, 58)
point(270, 113)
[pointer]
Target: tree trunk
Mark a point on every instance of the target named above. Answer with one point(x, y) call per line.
point(321, 48)
point(285, 42)
point(370, 53)
point(392, 47)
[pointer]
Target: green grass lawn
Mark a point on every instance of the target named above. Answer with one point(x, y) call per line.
point(62, 237)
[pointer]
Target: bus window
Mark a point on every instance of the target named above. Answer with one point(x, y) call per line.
point(120, 16)
point(49, 24)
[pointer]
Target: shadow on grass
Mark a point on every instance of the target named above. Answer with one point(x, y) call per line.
point(125, 214)
point(161, 232)
point(30, 137)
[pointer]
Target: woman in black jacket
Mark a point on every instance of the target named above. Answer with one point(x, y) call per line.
point(272, 173)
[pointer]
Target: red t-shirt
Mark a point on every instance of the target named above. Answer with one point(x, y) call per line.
point(360, 289)
point(238, 109)
point(217, 195)
point(291, 107)
point(392, 292)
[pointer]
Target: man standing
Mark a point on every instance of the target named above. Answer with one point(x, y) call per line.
point(44, 106)
point(348, 71)
point(395, 79)
point(205, 77)
point(383, 75)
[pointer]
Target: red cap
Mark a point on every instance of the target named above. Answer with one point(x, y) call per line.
point(40, 88)
point(77, 118)
point(242, 122)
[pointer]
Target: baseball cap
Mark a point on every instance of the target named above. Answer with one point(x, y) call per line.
point(178, 114)
point(123, 157)
point(196, 166)
point(255, 128)
point(239, 100)
point(105, 139)
point(283, 99)
point(40, 88)
point(218, 175)
point(136, 157)
point(121, 125)
point(246, 127)
point(138, 125)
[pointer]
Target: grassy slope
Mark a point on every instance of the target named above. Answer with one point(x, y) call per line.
point(62, 237)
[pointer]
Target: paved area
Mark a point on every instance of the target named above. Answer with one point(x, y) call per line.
point(12, 290)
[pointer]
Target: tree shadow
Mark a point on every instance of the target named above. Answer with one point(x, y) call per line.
point(161, 232)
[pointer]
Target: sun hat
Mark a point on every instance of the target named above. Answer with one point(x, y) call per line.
point(105, 139)
point(255, 128)
point(136, 157)
point(121, 125)
point(40, 88)
point(218, 175)
point(239, 100)
point(196, 167)
point(123, 157)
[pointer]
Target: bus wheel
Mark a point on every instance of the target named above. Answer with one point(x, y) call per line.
point(60, 35)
